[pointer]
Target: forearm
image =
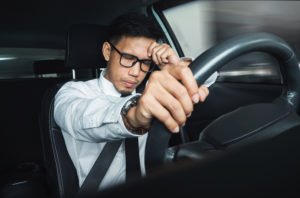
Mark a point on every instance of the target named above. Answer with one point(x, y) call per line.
point(94, 119)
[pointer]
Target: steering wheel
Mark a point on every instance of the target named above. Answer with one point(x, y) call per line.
point(285, 109)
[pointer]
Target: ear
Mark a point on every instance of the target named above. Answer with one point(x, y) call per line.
point(106, 50)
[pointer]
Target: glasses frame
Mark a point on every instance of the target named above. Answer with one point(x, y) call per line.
point(141, 61)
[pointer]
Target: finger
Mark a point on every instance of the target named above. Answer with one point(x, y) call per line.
point(170, 57)
point(158, 111)
point(164, 116)
point(154, 57)
point(151, 52)
point(174, 94)
point(185, 75)
point(162, 50)
point(203, 92)
point(174, 106)
point(157, 50)
point(151, 47)
point(165, 54)
point(156, 53)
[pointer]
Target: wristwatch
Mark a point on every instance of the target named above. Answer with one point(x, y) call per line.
point(128, 105)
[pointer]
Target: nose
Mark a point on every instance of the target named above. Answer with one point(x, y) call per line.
point(135, 69)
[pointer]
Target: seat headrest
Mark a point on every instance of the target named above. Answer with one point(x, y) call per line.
point(84, 46)
point(50, 66)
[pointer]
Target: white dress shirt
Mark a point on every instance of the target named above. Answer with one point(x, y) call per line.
point(88, 114)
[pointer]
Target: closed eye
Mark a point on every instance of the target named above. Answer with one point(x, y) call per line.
point(147, 62)
point(129, 57)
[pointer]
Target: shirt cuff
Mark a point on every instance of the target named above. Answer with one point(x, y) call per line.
point(187, 58)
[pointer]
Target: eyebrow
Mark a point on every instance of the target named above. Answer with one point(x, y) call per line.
point(113, 46)
point(136, 57)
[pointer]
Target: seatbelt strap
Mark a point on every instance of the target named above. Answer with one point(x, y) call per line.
point(99, 169)
point(104, 160)
point(133, 169)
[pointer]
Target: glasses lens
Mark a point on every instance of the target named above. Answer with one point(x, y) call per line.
point(147, 65)
point(128, 60)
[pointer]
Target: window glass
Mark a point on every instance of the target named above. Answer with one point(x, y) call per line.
point(19, 62)
point(192, 24)
point(198, 25)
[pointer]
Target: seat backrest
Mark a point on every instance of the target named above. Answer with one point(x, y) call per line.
point(44, 68)
point(60, 171)
point(83, 51)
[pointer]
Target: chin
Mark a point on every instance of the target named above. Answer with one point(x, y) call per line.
point(125, 92)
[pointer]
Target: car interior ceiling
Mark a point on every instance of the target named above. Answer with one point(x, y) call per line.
point(33, 23)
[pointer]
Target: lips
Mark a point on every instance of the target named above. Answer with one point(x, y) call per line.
point(130, 84)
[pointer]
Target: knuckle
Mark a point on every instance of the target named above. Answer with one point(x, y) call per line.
point(154, 76)
point(177, 111)
point(181, 73)
point(165, 117)
point(185, 71)
point(166, 45)
point(181, 92)
point(174, 106)
point(143, 100)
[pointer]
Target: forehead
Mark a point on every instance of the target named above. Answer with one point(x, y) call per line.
point(134, 45)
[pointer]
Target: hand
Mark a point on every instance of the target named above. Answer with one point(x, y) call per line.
point(162, 54)
point(169, 96)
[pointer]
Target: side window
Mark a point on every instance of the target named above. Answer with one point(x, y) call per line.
point(196, 26)
point(192, 26)
point(17, 63)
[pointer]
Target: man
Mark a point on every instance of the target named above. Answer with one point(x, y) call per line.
point(92, 113)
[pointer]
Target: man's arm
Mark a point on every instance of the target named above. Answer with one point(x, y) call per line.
point(169, 94)
point(88, 117)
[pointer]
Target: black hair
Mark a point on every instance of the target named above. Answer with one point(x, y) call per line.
point(135, 25)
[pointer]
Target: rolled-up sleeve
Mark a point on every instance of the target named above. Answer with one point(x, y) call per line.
point(89, 116)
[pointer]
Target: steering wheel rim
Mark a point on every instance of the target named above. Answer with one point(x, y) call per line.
point(212, 60)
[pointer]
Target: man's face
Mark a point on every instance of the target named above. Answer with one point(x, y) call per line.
point(126, 79)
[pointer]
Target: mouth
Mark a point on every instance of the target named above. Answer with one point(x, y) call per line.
point(130, 84)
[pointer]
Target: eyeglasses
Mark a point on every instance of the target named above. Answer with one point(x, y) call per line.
point(129, 60)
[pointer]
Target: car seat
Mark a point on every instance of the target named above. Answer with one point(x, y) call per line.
point(84, 57)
